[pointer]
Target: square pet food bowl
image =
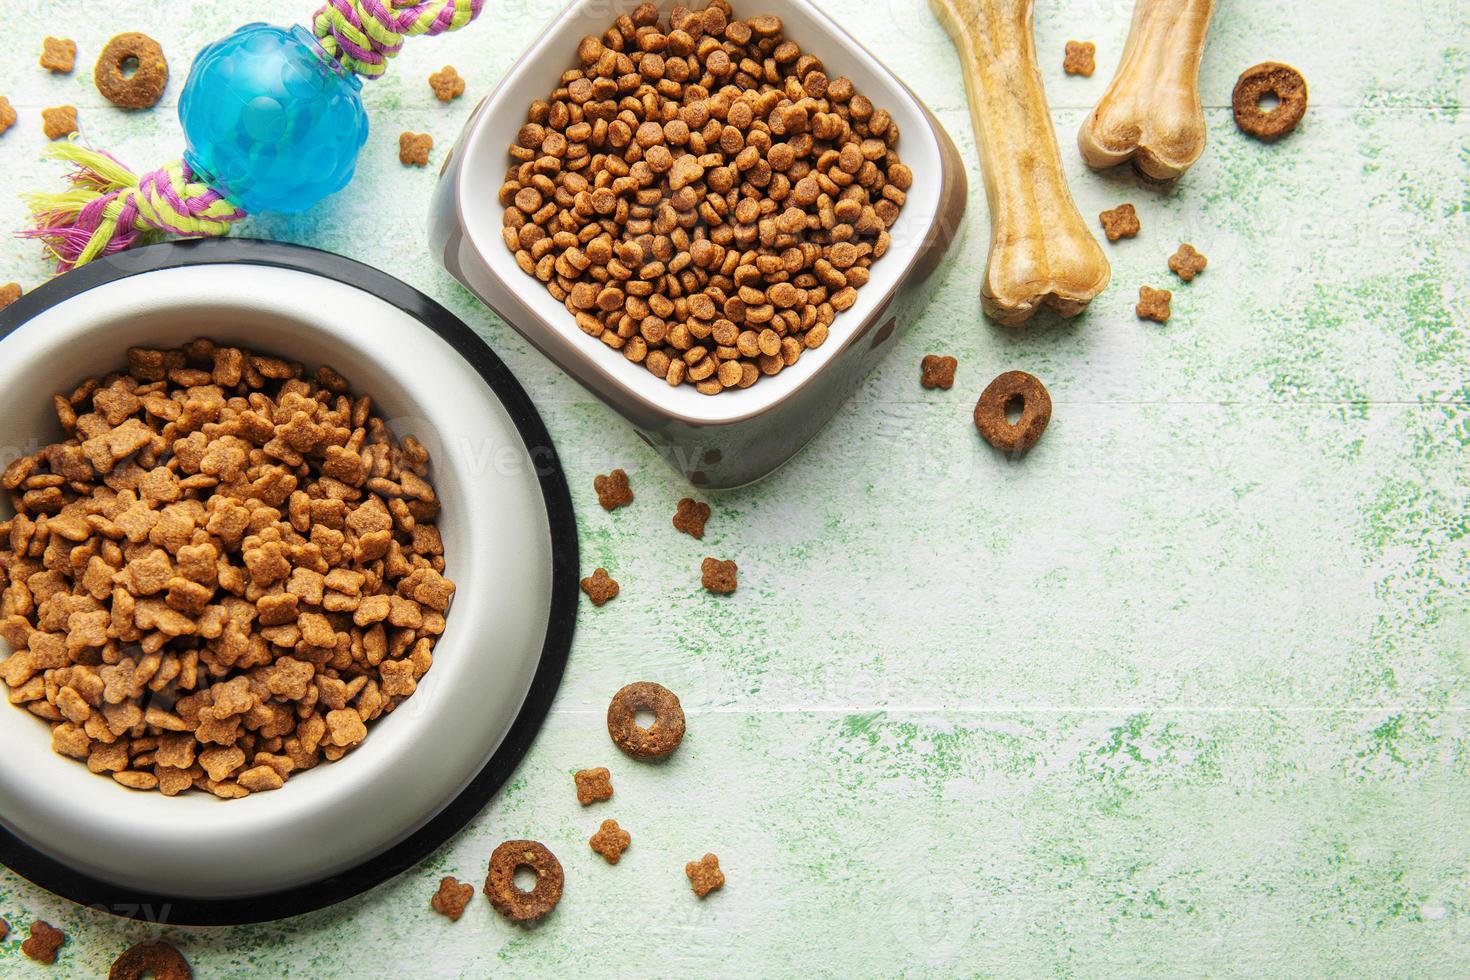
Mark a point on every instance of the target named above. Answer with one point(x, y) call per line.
point(741, 435)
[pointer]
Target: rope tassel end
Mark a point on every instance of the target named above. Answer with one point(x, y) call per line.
point(109, 208)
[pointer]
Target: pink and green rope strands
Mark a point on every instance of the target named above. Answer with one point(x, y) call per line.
point(110, 208)
point(364, 34)
point(274, 122)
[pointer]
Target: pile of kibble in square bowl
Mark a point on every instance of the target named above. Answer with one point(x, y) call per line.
point(702, 196)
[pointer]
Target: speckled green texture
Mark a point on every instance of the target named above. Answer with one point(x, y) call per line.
point(1183, 692)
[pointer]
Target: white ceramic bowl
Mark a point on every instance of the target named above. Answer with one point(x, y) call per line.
point(498, 542)
point(741, 434)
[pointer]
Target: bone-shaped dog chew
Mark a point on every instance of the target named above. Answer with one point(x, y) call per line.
point(1151, 112)
point(1041, 251)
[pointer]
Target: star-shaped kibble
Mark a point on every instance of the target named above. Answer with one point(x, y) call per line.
point(593, 786)
point(1153, 304)
point(1187, 263)
point(937, 371)
point(9, 293)
point(452, 898)
point(705, 875)
point(447, 84)
point(600, 587)
point(1120, 222)
point(613, 490)
point(58, 55)
point(7, 114)
point(59, 121)
point(718, 576)
point(413, 149)
point(1079, 58)
point(691, 517)
point(610, 841)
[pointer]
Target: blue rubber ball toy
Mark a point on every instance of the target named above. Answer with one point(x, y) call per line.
point(272, 122)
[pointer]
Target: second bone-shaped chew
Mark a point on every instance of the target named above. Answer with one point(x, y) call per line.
point(1151, 113)
point(1041, 251)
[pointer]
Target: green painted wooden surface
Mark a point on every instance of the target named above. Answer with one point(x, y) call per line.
point(1182, 692)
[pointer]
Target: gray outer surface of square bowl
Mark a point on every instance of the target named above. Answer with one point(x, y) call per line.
point(741, 435)
point(495, 529)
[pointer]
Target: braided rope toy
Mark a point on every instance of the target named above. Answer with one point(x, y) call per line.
point(274, 121)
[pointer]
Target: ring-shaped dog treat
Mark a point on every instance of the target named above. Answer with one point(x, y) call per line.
point(1010, 390)
point(151, 959)
point(1269, 78)
point(500, 885)
point(658, 739)
point(144, 87)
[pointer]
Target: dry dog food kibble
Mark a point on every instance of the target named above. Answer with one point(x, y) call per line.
point(658, 739)
point(452, 898)
point(447, 84)
point(7, 115)
point(936, 371)
point(1013, 391)
point(691, 517)
point(601, 588)
point(1079, 59)
point(59, 121)
point(413, 149)
point(500, 884)
point(718, 576)
point(610, 841)
point(1187, 263)
point(702, 196)
point(1283, 82)
point(58, 55)
point(593, 786)
point(1120, 222)
point(223, 574)
point(44, 941)
point(705, 875)
point(613, 490)
point(9, 293)
point(4, 930)
point(154, 959)
point(1153, 304)
point(131, 71)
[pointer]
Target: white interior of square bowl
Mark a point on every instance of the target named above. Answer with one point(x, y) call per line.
point(536, 74)
point(497, 550)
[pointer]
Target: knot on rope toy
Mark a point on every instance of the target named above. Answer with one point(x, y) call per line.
point(109, 208)
point(364, 34)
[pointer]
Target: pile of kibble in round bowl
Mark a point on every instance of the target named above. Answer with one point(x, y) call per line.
point(702, 196)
